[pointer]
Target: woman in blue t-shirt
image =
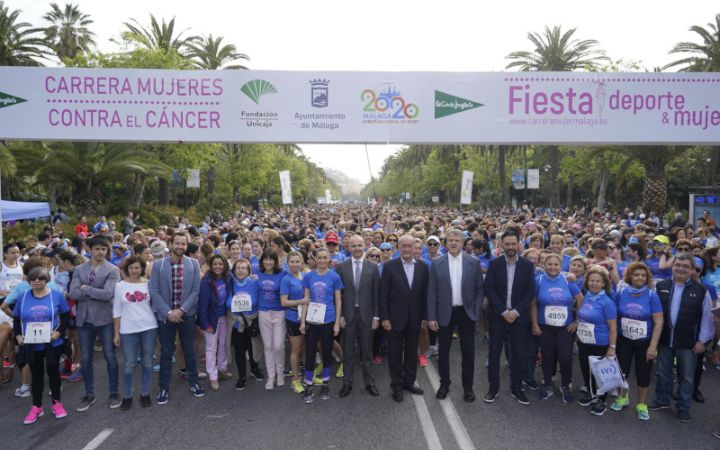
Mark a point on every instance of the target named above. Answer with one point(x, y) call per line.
point(272, 318)
point(641, 321)
point(292, 296)
point(41, 318)
point(597, 329)
point(242, 312)
point(554, 322)
point(318, 321)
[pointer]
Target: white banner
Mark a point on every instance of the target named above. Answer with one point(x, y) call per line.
point(328, 196)
point(286, 187)
point(381, 107)
point(193, 180)
point(466, 187)
point(533, 178)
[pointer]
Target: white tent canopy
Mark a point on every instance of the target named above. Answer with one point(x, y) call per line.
point(23, 210)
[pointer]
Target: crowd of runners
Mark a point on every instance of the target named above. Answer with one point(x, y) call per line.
point(237, 298)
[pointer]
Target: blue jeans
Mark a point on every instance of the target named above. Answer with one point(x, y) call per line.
point(132, 344)
point(87, 335)
point(167, 331)
point(686, 361)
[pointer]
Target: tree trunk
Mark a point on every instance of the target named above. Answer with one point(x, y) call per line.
point(163, 192)
point(712, 167)
point(569, 200)
point(655, 189)
point(139, 191)
point(554, 171)
point(502, 180)
point(602, 190)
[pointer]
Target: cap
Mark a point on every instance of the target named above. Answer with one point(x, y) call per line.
point(47, 252)
point(661, 239)
point(386, 246)
point(158, 248)
point(699, 263)
point(616, 234)
point(641, 217)
point(633, 240)
point(257, 229)
point(599, 244)
point(433, 238)
point(332, 237)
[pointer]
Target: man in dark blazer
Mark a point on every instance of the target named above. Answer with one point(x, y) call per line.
point(360, 313)
point(510, 287)
point(403, 301)
point(455, 292)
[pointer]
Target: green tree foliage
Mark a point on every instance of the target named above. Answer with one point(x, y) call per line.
point(21, 44)
point(68, 32)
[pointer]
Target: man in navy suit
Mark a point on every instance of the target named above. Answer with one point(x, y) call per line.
point(403, 301)
point(455, 292)
point(510, 287)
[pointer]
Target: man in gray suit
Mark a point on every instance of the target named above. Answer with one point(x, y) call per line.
point(360, 313)
point(455, 293)
point(174, 287)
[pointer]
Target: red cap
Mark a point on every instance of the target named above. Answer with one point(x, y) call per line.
point(332, 237)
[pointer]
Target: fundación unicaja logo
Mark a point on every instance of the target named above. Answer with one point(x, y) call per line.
point(9, 100)
point(446, 104)
point(256, 89)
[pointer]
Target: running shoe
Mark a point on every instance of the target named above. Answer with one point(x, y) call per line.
point(257, 374)
point(642, 411)
point(297, 387)
point(308, 397)
point(378, 360)
point(145, 401)
point(545, 393)
point(197, 390)
point(162, 397)
point(422, 361)
point(340, 373)
point(598, 408)
point(240, 385)
point(587, 400)
point(23, 391)
point(85, 404)
point(76, 377)
point(621, 402)
point(324, 392)
point(58, 410)
point(567, 395)
point(531, 384)
point(35, 413)
point(114, 401)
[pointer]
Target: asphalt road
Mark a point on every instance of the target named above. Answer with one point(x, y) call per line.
point(258, 419)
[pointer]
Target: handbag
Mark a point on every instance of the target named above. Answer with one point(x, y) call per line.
point(253, 328)
point(607, 374)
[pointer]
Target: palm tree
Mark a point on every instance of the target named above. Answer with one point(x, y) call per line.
point(20, 43)
point(85, 166)
point(556, 51)
point(160, 36)
point(209, 53)
point(704, 57)
point(68, 33)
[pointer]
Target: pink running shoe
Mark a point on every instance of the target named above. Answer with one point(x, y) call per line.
point(422, 360)
point(58, 410)
point(378, 360)
point(35, 413)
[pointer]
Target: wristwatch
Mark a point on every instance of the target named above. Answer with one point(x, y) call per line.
point(613, 346)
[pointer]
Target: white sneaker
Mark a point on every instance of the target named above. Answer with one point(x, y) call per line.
point(269, 384)
point(202, 375)
point(23, 391)
point(432, 351)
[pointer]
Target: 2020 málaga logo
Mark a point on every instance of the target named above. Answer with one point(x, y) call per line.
point(388, 107)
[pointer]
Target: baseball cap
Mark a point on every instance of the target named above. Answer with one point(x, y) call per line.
point(332, 237)
point(158, 248)
point(433, 238)
point(616, 234)
point(386, 246)
point(699, 263)
point(661, 239)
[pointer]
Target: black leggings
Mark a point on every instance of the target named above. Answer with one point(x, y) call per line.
point(585, 350)
point(556, 344)
point(324, 334)
point(242, 343)
point(627, 349)
point(38, 366)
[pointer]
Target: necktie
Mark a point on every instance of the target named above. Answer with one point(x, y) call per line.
point(358, 267)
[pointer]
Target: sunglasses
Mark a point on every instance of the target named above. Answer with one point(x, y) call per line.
point(432, 244)
point(40, 278)
point(683, 249)
point(611, 247)
point(387, 250)
point(373, 256)
point(330, 243)
point(392, 240)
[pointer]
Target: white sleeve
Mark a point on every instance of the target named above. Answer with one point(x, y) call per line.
point(117, 300)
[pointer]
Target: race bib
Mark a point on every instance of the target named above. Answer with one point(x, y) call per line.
point(586, 333)
point(556, 316)
point(38, 332)
point(633, 329)
point(316, 313)
point(241, 303)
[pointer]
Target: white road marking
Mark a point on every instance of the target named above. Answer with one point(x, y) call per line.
point(456, 424)
point(99, 439)
point(428, 427)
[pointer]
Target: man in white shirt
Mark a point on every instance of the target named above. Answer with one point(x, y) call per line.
point(455, 293)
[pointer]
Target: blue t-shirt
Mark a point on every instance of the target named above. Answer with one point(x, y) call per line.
point(222, 294)
point(21, 288)
point(249, 287)
point(555, 291)
point(713, 278)
point(637, 304)
point(711, 290)
point(270, 291)
point(658, 274)
point(293, 288)
point(322, 290)
point(254, 265)
point(565, 266)
point(597, 309)
point(45, 309)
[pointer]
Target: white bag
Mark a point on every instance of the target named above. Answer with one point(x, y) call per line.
point(607, 374)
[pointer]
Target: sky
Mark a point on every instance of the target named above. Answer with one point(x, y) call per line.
point(400, 35)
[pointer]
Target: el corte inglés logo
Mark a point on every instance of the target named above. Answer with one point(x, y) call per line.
point(446, 104)
point(9, 100)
